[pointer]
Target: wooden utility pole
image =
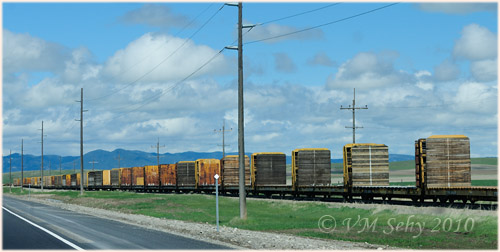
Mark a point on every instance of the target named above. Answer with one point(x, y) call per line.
point(22, 164)
point(241, 136)
point(158, 151)
point(223, 130)
point(81, 141)
point(118, 158)
point(93, 162)
point(41, 168)
point(354, 116)
point(241, 131)
point(158, 159)
point(10, 169)
point(60, 160)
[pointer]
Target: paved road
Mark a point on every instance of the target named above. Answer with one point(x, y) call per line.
point(84, 231)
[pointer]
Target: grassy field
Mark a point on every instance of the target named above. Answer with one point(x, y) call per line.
point(377, 225)
point(484, 161)
point(401, 165)
point(490, 182)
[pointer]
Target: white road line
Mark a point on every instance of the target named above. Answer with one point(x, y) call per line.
point(45, 230)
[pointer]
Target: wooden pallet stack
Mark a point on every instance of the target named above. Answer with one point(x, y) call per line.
point(268, 168)
point(206, 169)
point(448, 161)
point(231, 170)
point(370, 165)
point(311, 167)
point(185, 173)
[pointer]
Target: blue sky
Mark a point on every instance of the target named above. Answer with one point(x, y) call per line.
point(422, 69)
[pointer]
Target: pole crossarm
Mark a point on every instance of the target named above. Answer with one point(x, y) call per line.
point(353, 108)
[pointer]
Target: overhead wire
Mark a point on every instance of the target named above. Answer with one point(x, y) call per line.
point(170, 55)
point(298, 14)
point(142, 60)
point(173, 86)
point(321, 25)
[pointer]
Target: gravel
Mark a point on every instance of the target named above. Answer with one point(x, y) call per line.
point(227, 236)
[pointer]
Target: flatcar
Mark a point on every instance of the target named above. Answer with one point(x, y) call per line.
point(442, 173)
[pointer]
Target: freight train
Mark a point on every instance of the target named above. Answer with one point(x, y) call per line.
point(442, 173)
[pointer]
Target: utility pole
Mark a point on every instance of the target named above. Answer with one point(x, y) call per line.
point(118, 158)
point(93, 162)
point(354, 116)
point(60, 159)
point(158, 159)
point(49, 167)
point(10, 169)
point(22, 164)
point(81, 141)
point(158, 151)
point(41, 168)
point(74, 165)
point(241, 139)
point(223, 130)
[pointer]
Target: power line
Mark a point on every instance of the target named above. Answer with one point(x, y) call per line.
point(298, 14)
point(321, 25)
point(164, 60)
point(144, 103)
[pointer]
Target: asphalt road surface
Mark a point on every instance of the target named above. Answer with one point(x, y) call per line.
point(79, 231)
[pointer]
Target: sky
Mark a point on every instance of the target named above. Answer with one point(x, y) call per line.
point(154, 71)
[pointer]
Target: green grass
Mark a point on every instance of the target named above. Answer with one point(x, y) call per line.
point(490, 182)
point(484, 161)
point(401, 165)
point(298, 218)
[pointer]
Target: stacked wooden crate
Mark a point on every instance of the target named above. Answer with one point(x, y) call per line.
point(152, 175)
point(185, 173)
point(125, 177)
point(369, 164)
point(448, 161)
point(138, 176)
point(169, 174)
point(230, 170)
point(311, 167)
point(268, 168)
point(206, 169)
point(106, 178)
point(115, 177)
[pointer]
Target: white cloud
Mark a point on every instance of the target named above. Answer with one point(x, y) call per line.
point(155, 15)
point(368, 70)
point(475, 98)
point(322, 59)
point(79, 68)
point(265, 137)
point(476, 43)
point(23, 52)
point(159, 56)
point(276, 30)
point(484, 70)
point(283, 63)
point(232, 116)
point(457, 8)
point(446, 71)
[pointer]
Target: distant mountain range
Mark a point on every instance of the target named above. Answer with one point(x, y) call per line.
point(106, 160)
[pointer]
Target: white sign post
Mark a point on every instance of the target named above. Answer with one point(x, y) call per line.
point(217, 200)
